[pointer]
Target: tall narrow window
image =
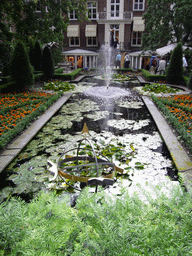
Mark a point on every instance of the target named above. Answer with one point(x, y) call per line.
point(115, 7)
point(138, 5)
point(73, 15)
point(136, 38)
point(92, 10)
point(74, 41)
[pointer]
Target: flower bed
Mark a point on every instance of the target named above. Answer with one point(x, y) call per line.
point(17, 110)
point(178, 111)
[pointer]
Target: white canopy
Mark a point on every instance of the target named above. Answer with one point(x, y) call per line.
point(167, 49)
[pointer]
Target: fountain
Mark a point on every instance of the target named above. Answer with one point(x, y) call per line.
point(120, 127)
point(107, 57)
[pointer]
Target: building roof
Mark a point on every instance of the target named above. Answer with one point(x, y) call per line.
point(80, 52)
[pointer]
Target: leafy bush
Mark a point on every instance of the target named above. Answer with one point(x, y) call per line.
point(158, 88)
point(47, 63)
point(189, 84)
point(100, 224)
point(20, 67)
point(58, 86)
point(174, 73)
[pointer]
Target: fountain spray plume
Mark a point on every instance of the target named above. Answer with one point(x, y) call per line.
point(107, 58)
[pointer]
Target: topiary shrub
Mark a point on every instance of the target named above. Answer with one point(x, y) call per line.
point(174, 73)
point(37, 57)
point(189, 84)
point(47, 63)
point(20, 67)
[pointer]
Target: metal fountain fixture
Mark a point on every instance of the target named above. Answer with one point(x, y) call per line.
point(83, 164)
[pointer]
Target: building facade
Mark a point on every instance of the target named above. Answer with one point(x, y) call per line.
point(116, 23)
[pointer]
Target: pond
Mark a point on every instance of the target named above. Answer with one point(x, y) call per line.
point(117, 119)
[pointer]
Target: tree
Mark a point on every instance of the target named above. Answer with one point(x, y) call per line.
point(20, 67)
point(37, 56)
point(175, 69)
point(167, 21)
point(47, 63)
point(46, 25)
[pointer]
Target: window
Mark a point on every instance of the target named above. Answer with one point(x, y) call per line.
point(38, 8)
point(72, 15)
point(91, 41)
point(92, 10)
point(115, 7)
point(136, 38)
point(74, 41)
point(138, 5)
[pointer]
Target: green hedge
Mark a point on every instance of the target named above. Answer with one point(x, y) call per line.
point(59, 71)
point(8, 87)
point(69, 76)
point(153, 78)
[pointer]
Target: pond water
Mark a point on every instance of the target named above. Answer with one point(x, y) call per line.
point(115, 117)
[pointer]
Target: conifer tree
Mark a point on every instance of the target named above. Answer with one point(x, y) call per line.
point(47, 63)
point(175, 69)
point(37, 56)
point(20, 67)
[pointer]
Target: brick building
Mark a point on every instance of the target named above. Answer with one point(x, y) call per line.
point(111, 22)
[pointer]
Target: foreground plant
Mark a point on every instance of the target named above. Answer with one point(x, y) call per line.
point(98, 225)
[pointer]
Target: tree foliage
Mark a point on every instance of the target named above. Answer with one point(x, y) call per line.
point(20, 67)
point(43, 20)
point(175, 69)
point(47, 63)
point(167, 21)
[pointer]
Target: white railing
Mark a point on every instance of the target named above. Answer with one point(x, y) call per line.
point(113, 15)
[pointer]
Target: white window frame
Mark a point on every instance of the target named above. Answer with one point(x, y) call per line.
point(73, 14)
point(90, 9)
point(137, 38)
point(92, 38)
point(115, 13)
point(137, 4)
point(74, 45)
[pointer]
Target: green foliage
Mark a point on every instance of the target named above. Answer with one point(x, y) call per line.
point(158, 88)
point(59, 86)
point(153, 78)
point(189, 84)
point(167, 21)
point(5, 55)
point(20, 67)
point(68, 76)
point(174, 73)
point(37, 56)
point(32, 25)
point(47, 63)
point(99, 225)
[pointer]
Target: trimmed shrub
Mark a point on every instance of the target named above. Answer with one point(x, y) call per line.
point(189, 84)
point(175, 69)
point(37, 57)
point(20, 67)
point(47, 63)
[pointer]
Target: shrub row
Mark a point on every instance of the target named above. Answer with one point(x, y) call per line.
point(153, 78)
